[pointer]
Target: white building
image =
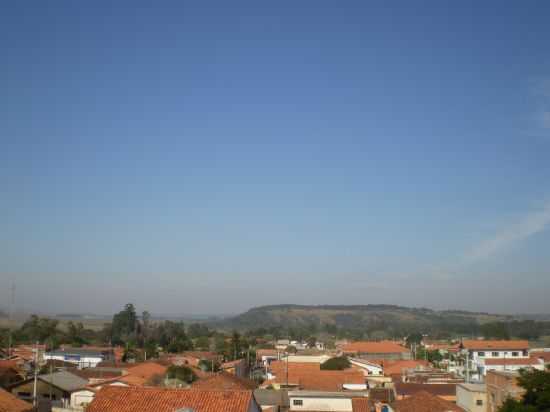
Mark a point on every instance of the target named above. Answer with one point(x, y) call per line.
point(472, 397)
point(369, 368)
point(482, 353)
point(83, 358)
point(324, 401)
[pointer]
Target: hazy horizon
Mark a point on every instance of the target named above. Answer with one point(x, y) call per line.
point(209, 157)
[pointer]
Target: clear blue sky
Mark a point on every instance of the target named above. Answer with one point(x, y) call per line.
point(205, 157)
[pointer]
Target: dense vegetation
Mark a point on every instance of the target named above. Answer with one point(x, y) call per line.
point(143, 337)
point(336, 364)
point(139, 335)
point(537, 393)
point(380, 322)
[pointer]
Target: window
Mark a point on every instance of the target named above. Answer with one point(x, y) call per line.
point(495, 354)
point(481, 354)
point(515, 353)
point(479, 402)
point(297, 402)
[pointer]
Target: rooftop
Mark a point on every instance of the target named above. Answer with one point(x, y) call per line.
point(128, 399)
point(473, 387)
point(224, 381)
point(424, 402)
point(64, 380)
point(374, 347)
point(495, 344)
point(9, 403)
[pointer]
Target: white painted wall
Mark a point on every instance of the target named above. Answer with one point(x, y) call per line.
point(321, 404)
point(467, 399)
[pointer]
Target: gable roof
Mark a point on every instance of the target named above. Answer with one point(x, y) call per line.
point(307, 378)
point(495, 344)
point(398, 366)
point(64, 380)
point(424, 402)
point(128, 399)
point(437, 389)
point(140, 374)
point(385, 346)
point(9, 403)
point(224, 381)
point(544, 355)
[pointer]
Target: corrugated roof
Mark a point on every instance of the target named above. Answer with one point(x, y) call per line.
point(64, 380)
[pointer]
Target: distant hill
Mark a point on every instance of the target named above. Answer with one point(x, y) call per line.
point(384, 318)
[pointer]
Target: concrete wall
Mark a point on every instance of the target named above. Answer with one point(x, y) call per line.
point(468, 399)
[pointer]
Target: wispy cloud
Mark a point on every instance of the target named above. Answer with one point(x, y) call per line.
point(529, 225)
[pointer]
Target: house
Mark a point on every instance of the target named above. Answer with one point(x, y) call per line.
point(127, 399)
point(272, 400)
point(382, 350)
point(369, 368)
point(543, 355)
point(224, 381)
point(314, 401)
point(320, 358)
point(480, 351)
point(309, 376)
point(472, 397)
point(10, 373)
point(424, 402)
point(502, 385)
point(10, 403)
point(194, 358)
point(238, 367)
point(513, 364)
point(81, 357)
point(265, 356)
point(51, 389)
point(142, 374)
point(445, 391)
point(282, 344)
point(28, 353)
point(400, 367)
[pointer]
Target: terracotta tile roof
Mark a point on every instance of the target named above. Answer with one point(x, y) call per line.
point(319, 380)
point(398, 366)
point(125, 399)
point(280, 366)
point(201, 355)
point(224, 381)
point(232, 364)
point(436, 389)
point(513, 361)
point(424, 402)
point(541, 355)
point(360, 405)
point(495, 344)
point(140, 374)
point(93, 373)
point(374, 347)
point(9, 403)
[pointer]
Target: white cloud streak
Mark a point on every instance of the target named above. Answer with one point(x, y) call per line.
point(530, 225)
